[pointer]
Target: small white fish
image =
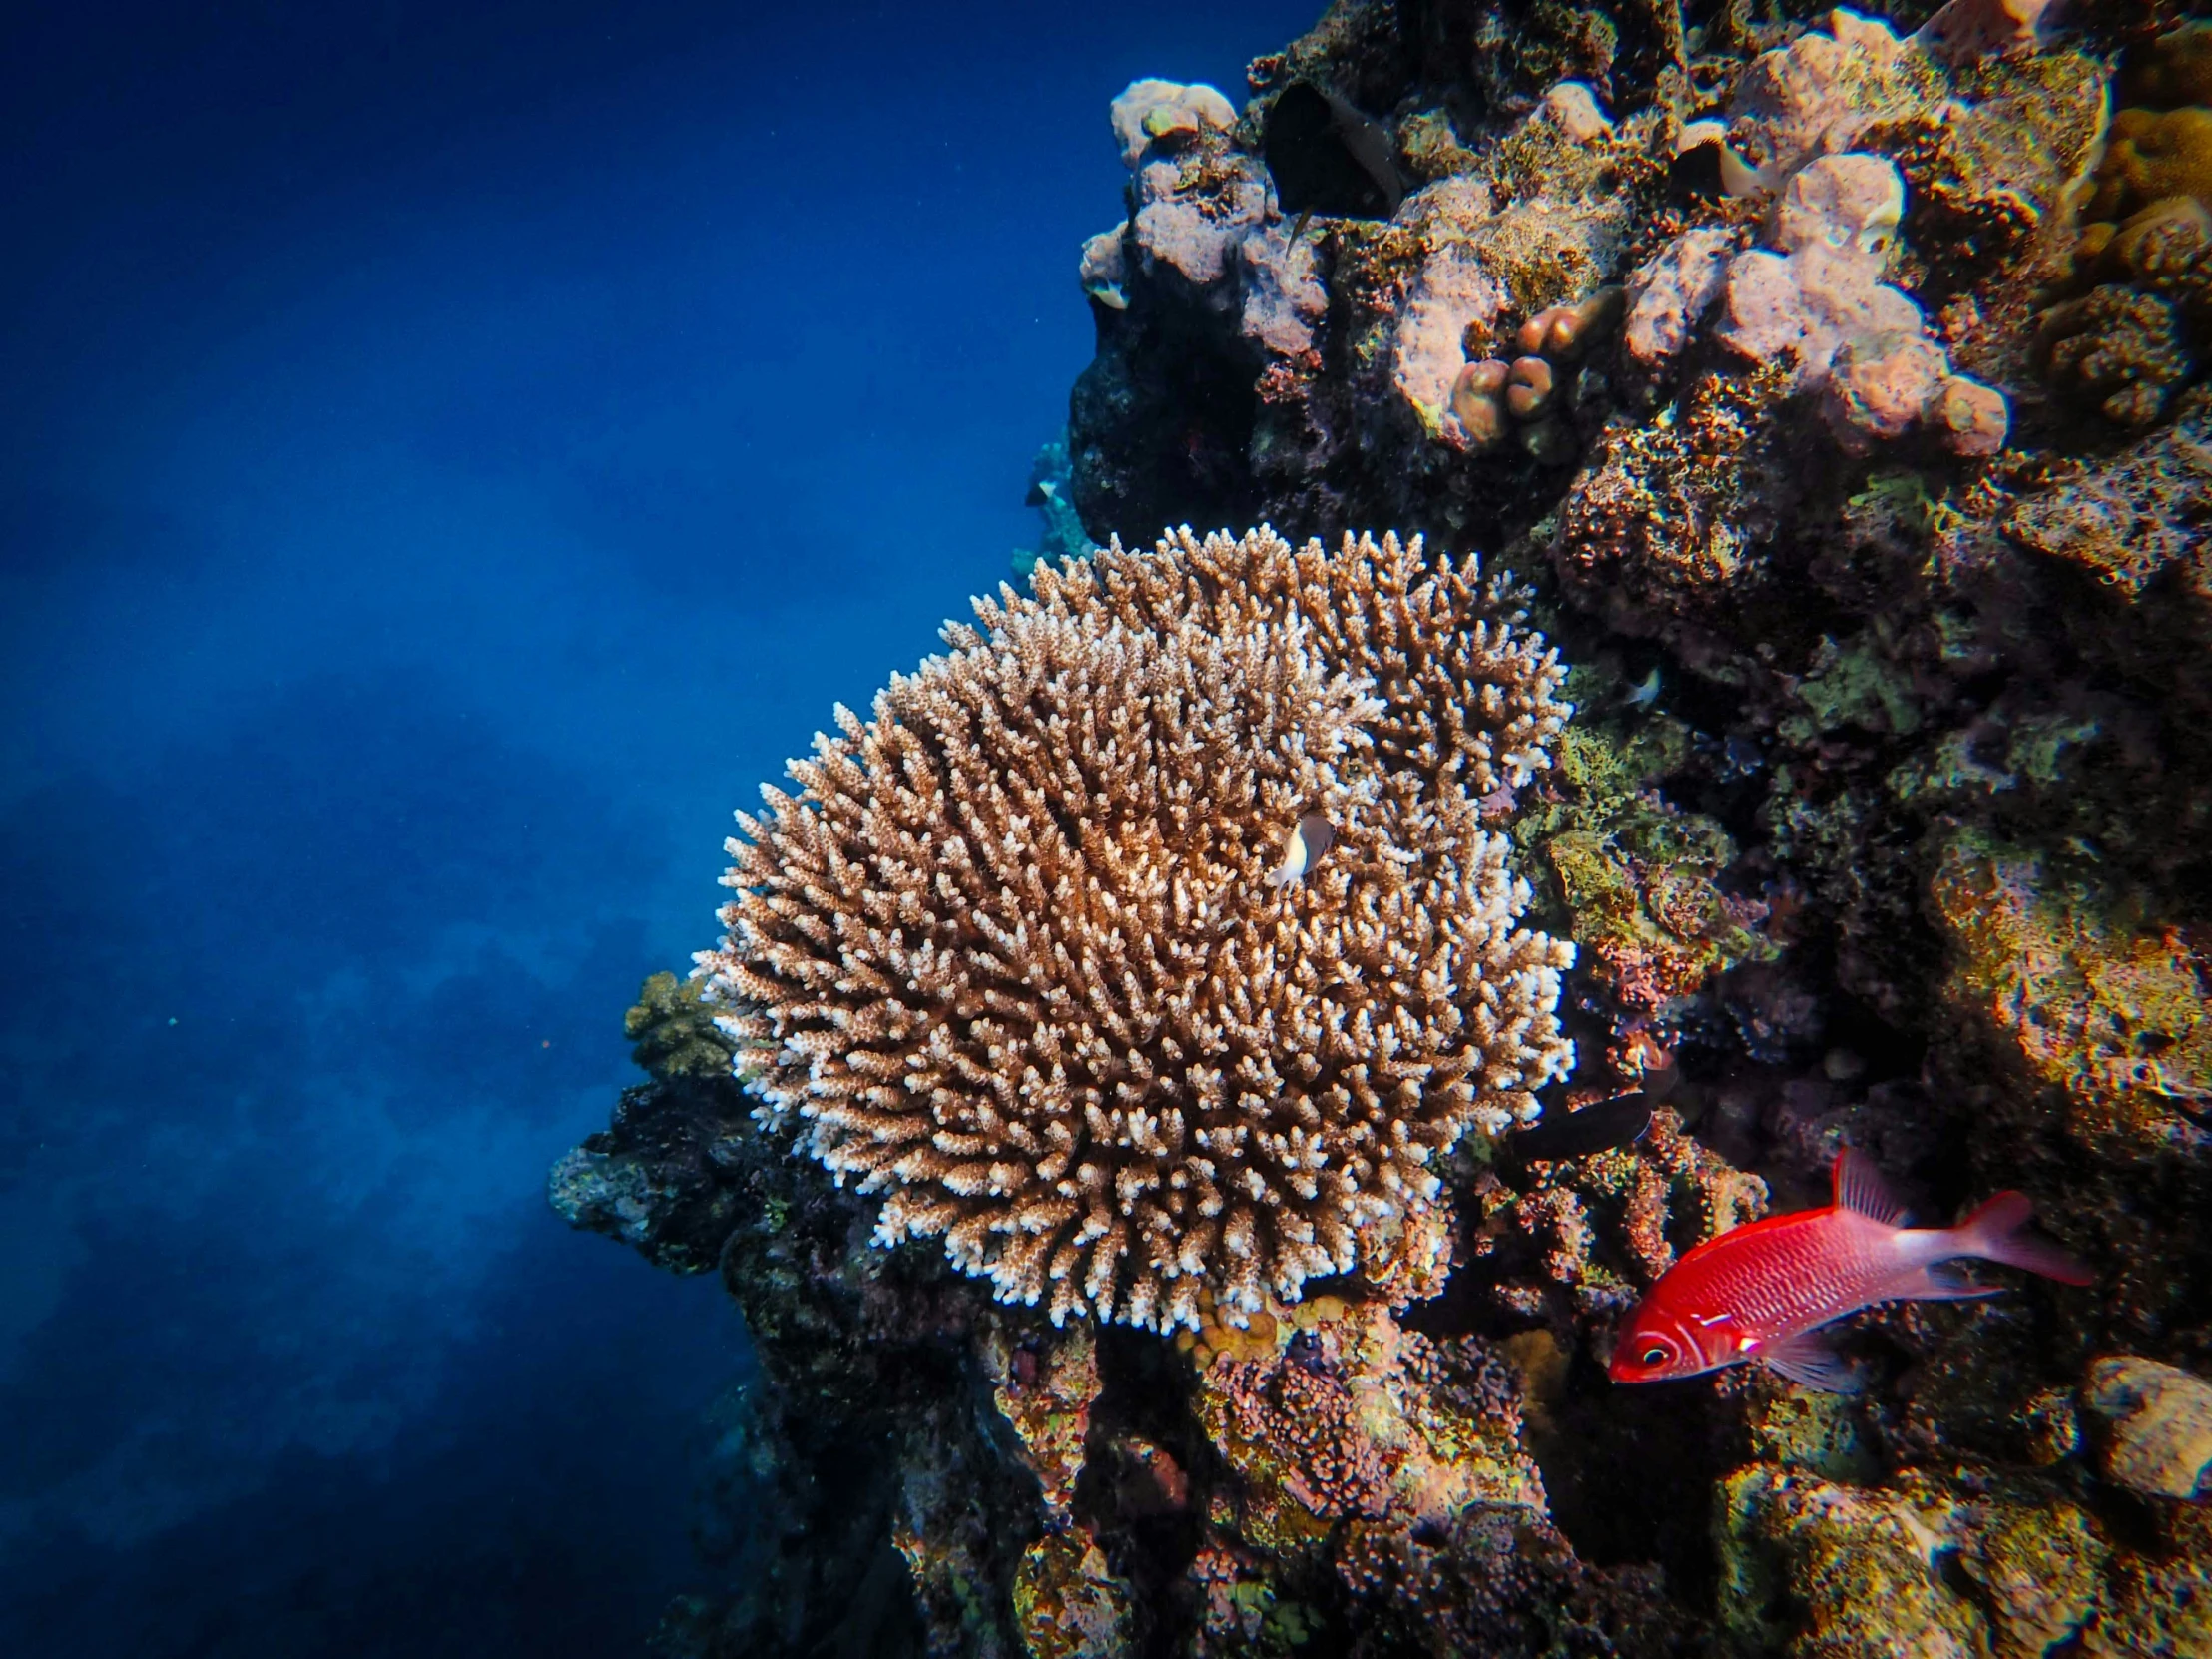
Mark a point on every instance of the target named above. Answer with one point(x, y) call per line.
point(1310, 838)
point(1644, 694)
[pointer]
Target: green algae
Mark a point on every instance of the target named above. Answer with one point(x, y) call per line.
point(1821, 1433)
point(2160, 1598)
point(1068, 1604)
point(1822, 1570)
point(1858, 683)
point(1633, 879)
point(672, 1032)
point(2039, 1567)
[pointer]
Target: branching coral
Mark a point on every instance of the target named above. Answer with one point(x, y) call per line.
point(1360, 1418)
point(1672, 517)
point(2134, 520)
point(1588, 1236)
point(1012, 953)
point(2117, 350)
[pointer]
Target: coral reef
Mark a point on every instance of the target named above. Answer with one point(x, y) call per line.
point(1636, 880)
point(2113, 1019)
point(1840, 380)
point(2037, 1573)
point(1013, 955)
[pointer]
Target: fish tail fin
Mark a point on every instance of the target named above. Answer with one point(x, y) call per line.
point(1996, 1231)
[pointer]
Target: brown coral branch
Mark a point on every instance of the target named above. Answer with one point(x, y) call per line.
point(1013, 956)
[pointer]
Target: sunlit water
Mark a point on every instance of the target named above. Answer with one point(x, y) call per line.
point(445, 463)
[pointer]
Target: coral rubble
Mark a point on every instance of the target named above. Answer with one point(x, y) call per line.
point(1177, 955)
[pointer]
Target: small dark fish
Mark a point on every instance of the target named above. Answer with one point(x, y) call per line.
point(1697, 170)
point(1305, 1351)
point(1327, 157)
point(1741, 758)
point(1613, 1123)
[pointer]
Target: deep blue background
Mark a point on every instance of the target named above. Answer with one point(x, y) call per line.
point(445, 462)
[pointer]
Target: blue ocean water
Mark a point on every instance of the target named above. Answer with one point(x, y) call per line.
point(447, 455)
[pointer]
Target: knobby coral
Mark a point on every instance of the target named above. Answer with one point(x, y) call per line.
point(1012, 953)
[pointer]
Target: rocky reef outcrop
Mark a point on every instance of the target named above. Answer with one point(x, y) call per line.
point(1836, 381)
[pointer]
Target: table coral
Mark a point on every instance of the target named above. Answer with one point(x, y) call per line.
point(1012, 953)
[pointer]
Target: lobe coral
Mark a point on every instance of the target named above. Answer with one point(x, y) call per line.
point(1011, 954)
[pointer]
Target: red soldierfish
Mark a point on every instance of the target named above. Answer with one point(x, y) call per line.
point(1763, 1292)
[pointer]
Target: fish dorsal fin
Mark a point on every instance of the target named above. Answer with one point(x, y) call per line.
point(1861, 1189)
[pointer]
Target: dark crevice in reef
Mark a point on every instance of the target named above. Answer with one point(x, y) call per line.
point(1192, 400)
point(1628, 1477)
point(1147, 1479)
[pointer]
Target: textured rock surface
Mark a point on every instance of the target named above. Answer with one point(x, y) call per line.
point(2158, 1425)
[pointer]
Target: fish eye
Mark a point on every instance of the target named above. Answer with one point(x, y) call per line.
point(1655, 1353)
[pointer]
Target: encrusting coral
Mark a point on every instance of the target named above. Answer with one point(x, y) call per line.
point(1012, 953)
point(1591, 1234)
point(2110, 1017)
point(2145, 242)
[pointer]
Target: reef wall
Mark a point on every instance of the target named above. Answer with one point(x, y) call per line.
point(1834, 382)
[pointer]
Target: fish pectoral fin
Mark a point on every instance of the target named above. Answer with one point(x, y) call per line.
point(1812, 1363)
